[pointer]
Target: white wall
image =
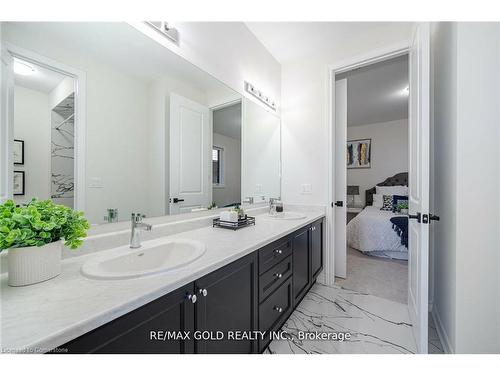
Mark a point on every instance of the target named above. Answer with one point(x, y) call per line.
point(467, 182)
point(260, 153)
point(305, 112)
point(64, 89)
point(116, 128)
point(32, 125)
point(227, 50)
point(389, 154)
point(230, 191)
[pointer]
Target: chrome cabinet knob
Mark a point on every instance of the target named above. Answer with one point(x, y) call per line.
point(192, 298)
point(278, 309)
point(278, 251)
point(203, 292)
point(278, 275)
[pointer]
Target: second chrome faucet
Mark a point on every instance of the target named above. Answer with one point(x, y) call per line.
point(137, 225)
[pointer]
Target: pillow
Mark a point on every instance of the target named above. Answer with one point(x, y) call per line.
point(378, 200)
point(392, 190)
point(387, 205)
point(397, 199)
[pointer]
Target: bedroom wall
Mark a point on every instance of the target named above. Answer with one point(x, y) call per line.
point(466, 184)
point(32, 125)
point(305, 112)
point(389, 154)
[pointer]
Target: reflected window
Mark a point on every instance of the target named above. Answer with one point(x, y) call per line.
point(217, 177)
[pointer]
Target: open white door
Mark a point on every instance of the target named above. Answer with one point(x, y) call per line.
point(6, 124)
point(190, 155)
point(418, 226)
point(340, 178)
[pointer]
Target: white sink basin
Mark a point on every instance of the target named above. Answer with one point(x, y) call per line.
point(287, 215)
point(155, 256)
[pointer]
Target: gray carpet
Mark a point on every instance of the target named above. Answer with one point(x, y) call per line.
point(386, 278)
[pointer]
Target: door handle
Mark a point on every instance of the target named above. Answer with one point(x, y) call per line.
point(177, 200)
point(433, 217)
point(339, 203)
point(418, 216)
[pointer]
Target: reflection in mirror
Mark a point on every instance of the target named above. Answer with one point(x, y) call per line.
point(261, 153)
point(149, 131)
point(226, 155)
point(44, 134)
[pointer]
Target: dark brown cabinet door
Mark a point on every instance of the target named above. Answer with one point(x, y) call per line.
point(227, 302)
point(141, 330)
point(301, 263)
point(316, 248)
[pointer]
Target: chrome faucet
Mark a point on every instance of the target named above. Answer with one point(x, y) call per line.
point(248, 200)
point(272, 205)
point(137, 224)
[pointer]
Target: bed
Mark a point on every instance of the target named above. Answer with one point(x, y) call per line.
point(372, 232)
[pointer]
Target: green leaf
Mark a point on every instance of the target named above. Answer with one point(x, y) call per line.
point(40, 222)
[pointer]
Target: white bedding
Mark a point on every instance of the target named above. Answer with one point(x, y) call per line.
point(371, 232)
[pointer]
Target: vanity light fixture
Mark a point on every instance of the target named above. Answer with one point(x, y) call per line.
point(163, 28)
point(259, 95)
point(22, 68)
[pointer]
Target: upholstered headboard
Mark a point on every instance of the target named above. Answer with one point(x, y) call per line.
point(397, 179)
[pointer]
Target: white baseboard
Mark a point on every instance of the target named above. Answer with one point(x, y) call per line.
point(445, 341)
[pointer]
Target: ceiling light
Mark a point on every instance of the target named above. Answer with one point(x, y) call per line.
point(22, 68)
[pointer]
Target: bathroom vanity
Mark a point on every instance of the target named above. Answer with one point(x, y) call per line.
point(257, 292)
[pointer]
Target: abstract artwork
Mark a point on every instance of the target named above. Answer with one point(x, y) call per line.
point(18, 152)
point(359, 153)
point(19, 181)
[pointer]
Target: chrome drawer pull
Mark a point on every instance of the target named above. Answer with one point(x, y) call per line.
point(278, 309)
point(203, 292)
point(278, 251)
point(192, 298)
point(278, 275)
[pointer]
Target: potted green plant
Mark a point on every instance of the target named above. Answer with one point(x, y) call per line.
point(33, 233)
point(403, 207)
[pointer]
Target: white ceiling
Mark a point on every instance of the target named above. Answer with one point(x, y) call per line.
point(376, 93)
point(42, 79)
point(289, 41)
point(227, 121)
point(120, 45)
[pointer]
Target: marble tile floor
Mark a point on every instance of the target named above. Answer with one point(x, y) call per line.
point(376, 325)
point(435, 346)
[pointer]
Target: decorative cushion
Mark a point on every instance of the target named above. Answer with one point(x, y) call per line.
point(387, 203)
point(392, 190)
point(397, 199)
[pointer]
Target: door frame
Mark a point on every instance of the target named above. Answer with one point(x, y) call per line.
point(359, 61)
point(80, 115)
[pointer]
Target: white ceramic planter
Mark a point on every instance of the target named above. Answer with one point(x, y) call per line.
point(31, 265)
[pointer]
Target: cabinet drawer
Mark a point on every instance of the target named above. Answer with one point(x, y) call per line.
point(274, 277)
point(274, 253)
point(276, 307)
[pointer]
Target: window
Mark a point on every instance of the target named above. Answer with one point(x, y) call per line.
point(217, 166)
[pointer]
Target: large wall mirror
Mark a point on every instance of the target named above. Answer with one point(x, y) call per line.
point(108, 121)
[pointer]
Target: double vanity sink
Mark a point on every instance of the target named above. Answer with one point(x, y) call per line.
point(202, 278)
point(155, 256)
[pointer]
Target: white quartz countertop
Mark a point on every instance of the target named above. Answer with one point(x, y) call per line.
point(40, 317)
